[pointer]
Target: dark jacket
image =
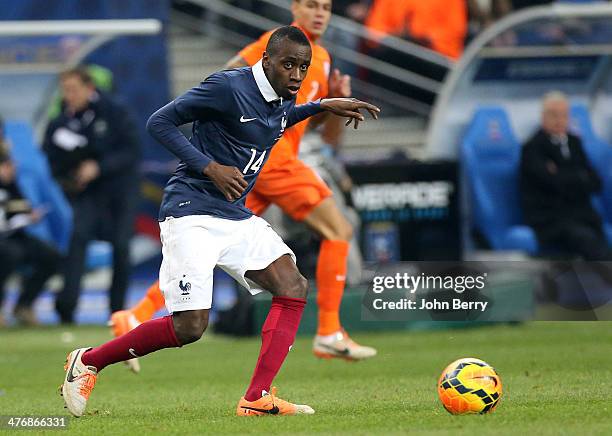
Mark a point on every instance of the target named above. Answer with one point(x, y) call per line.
point(548, 197)
point(105, 132)
point(12, 203)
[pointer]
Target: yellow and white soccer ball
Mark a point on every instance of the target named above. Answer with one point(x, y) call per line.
point(469, 386)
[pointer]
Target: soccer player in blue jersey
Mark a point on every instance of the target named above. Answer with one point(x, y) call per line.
point(238, 115)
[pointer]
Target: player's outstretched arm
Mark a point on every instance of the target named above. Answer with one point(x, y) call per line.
point(344, 107)
point(349, 107)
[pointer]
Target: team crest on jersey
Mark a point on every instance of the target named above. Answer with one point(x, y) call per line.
point(283, 126)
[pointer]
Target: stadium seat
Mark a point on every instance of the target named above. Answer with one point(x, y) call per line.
point(24, 151)
point(56, 226)
point(34, 180)
point(36, 183)
point(599, 154)
point(490, 156)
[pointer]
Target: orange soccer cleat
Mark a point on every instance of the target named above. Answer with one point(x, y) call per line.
point(270, 404)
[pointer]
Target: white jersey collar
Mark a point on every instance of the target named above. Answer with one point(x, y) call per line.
point(263, 83)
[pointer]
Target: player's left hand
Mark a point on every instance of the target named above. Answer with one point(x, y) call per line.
point(228, 179)
point(349, 107)
point(339, 84)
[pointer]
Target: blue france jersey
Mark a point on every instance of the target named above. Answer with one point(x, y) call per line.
point(237, 118)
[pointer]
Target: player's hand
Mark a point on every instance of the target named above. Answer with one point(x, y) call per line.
point(229, 180)
point(339, 84)
point(349, 107)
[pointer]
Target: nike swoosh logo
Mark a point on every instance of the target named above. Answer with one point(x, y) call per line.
point(71, 377)
point(133, 353)
point(273, 411)
point(246, 120)
point(344, 352)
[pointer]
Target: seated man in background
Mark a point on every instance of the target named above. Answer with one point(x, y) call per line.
point(556, 184)
point(93, 152)
point(17, 248)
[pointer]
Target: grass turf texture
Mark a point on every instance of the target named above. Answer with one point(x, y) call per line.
point(557, 380)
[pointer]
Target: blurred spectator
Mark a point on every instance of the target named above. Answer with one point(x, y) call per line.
point(437, 24)
point(483, 13)
point(93, 152)
point(557, 182)
point(102, 78)
point(19, 250)
point(356, 10)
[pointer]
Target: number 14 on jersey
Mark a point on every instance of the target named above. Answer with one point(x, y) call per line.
point(254, 165)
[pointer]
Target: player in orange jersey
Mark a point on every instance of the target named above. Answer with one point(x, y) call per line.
point(293, 186)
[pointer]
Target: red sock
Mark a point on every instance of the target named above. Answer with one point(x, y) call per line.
point(277, 335)
point(147, 337)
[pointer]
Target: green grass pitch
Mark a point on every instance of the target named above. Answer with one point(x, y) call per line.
point(557, 380)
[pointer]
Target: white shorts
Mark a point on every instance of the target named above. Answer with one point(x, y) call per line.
point(193, 245)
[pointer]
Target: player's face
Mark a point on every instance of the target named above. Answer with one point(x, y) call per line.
point(555, 117)
point(76, 93)
point(312, 15)
point(287, 68)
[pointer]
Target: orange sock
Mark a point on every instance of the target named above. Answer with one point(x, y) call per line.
point(331, 276)
point(150, 303)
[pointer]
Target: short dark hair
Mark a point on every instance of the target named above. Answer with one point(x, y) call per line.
point(79, 71)
point(291, 33)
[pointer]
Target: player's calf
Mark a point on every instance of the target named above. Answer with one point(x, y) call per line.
point(122, 322)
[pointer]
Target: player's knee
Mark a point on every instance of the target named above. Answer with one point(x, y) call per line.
point(347, 231)
point(191, 332)
point(190, 327)
point(342, 231)
point(298, 288)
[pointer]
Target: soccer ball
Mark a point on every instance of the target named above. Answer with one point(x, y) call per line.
point(469, 386)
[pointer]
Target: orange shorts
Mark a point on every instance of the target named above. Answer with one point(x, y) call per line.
point(293, 186)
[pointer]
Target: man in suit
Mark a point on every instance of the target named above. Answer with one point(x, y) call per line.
point(93, 150)
point(557, 182)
